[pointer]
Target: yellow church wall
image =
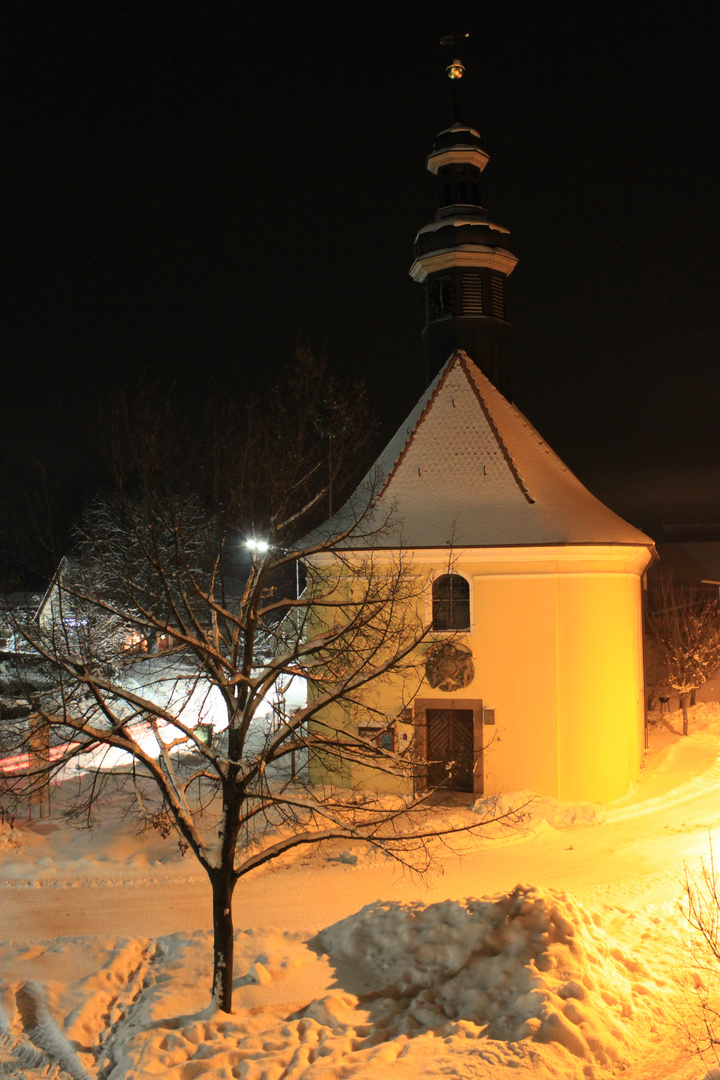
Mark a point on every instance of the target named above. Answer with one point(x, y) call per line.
point(514, 646)
point(556, 639)
point(365, 777)
point(556, 636)
point(601, 691)
point(384, 697)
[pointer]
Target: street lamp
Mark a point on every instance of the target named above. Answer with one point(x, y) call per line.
point(258, 547)
point(261, 547)
point(456, 70)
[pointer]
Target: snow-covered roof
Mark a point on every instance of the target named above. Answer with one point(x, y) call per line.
point(468, 469)
point(457, 222)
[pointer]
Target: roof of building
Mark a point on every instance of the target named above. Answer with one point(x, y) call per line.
point(467, 469)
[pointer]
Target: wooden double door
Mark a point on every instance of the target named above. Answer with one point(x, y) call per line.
point(450, 736)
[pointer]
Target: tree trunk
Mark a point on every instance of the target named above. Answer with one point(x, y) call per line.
point(684, 706)
point(223, 886)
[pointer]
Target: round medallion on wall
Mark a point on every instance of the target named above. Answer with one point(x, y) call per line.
point(448, 667)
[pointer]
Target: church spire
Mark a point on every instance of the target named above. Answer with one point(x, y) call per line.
point(463, 259)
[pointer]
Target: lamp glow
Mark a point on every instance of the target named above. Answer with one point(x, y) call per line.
point(259, 547)
point(456, 70)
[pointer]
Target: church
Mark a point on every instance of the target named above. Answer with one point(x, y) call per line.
point(533, 668)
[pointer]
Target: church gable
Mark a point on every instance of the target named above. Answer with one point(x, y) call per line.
point(468, 469)
point(455, 453)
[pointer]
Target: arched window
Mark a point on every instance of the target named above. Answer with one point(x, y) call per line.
point(450, 603)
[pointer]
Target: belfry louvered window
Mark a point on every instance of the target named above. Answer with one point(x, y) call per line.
point(450, 603)
point(472, 300)
point(497, 296)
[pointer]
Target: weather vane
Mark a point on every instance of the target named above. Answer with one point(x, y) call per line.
point(455, 70)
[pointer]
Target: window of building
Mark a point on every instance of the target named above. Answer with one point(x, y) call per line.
point(450, 603)
point(472, 298)
point(382, 737)
point(497, 290)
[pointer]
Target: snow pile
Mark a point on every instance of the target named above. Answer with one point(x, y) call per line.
point(533, 811)
point(531, 964)
point(478, 988)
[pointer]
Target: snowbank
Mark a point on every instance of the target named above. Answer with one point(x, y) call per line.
point(465, 988)
point(536, 811)
point(528, 965)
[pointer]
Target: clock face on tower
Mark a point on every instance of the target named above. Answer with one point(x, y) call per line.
point(441, 298)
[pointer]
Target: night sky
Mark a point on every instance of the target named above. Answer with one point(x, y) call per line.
point(190, 190)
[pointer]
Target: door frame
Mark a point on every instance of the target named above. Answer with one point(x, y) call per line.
point(421, 705)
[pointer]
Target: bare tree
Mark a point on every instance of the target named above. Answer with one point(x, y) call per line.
point(683, 626)
point(701, 909)
point(164, 619)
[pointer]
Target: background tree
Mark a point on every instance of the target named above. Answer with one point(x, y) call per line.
point(163, 619)
point(701, 909)
point(683, 628)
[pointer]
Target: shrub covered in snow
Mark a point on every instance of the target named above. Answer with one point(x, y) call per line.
point(9, 839)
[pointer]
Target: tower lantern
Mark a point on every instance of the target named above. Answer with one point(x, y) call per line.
point(463, 260)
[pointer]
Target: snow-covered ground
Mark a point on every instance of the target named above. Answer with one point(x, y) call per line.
point(557, 949)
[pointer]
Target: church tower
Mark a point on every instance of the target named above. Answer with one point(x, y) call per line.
point(463, 260)
point(539, 586)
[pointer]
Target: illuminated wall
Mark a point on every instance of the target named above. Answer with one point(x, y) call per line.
point(558, 644)
point(556, 639)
